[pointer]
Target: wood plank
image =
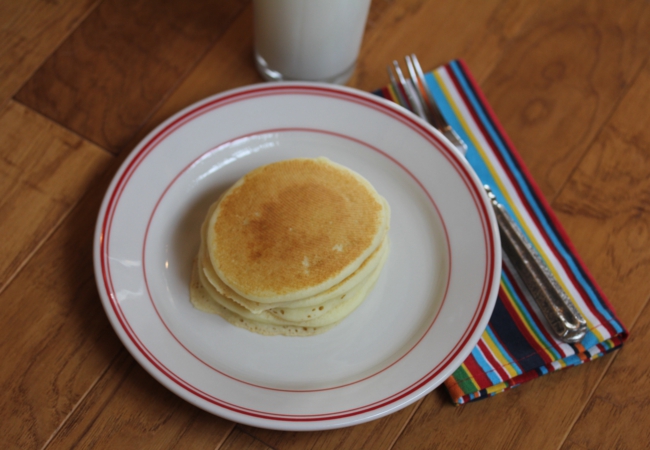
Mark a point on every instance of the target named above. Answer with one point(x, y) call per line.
point(477, 32)
point(562, 78)
point(378, 434)
point(618, 414)
point(229, 63)
point(536, 415)
point(54, 335)
point(610, 196)
point(112, 415)
point(107, 78)
point(239, 440)
point(30, 30)
point(37, 159)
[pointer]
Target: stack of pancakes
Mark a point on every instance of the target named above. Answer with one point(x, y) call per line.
point(292, 248)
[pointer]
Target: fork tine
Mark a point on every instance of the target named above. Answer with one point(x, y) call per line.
point(396, 87)
point(421, 97)
point(413, 99)
point(427, 96)
point(400, 75)
point(403, 86)
point(439, 120)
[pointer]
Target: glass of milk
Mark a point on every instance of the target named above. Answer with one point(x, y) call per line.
point(308, 40)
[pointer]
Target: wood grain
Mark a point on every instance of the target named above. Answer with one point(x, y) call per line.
point(609, 199)
point(36, 189)
point(239, 440)
point(127, 408)
point(106, 79)
point(477, 32)
point(618, 414)
point(54, 335)
point(30, 30)
point(229, 64)
point(562, 78)
point(519, 418)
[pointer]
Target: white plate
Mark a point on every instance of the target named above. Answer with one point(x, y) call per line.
point(426, 313)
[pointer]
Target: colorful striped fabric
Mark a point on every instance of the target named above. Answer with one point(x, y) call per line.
point(516, 346)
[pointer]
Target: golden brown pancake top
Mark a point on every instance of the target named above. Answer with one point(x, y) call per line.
point(292, 225)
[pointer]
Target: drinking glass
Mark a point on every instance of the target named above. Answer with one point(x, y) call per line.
point(308, 40)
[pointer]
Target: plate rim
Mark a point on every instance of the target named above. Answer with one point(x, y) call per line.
point(322, 421)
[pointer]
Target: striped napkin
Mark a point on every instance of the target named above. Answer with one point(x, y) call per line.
point(516, 346)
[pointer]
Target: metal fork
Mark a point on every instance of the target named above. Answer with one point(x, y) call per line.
point(519, 255)
point(414, 94)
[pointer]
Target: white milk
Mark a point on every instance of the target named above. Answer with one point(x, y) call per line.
point(313, 40)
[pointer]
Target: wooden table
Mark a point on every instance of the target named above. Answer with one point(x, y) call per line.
point(81, 81)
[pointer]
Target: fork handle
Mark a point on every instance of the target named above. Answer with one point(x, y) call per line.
point(564, 319)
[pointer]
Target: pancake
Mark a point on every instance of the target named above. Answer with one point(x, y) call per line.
point(292, 248)
point(289, 230)
point(366, 268)
point(207, 299)
point(202, 301)
point(315, 316)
